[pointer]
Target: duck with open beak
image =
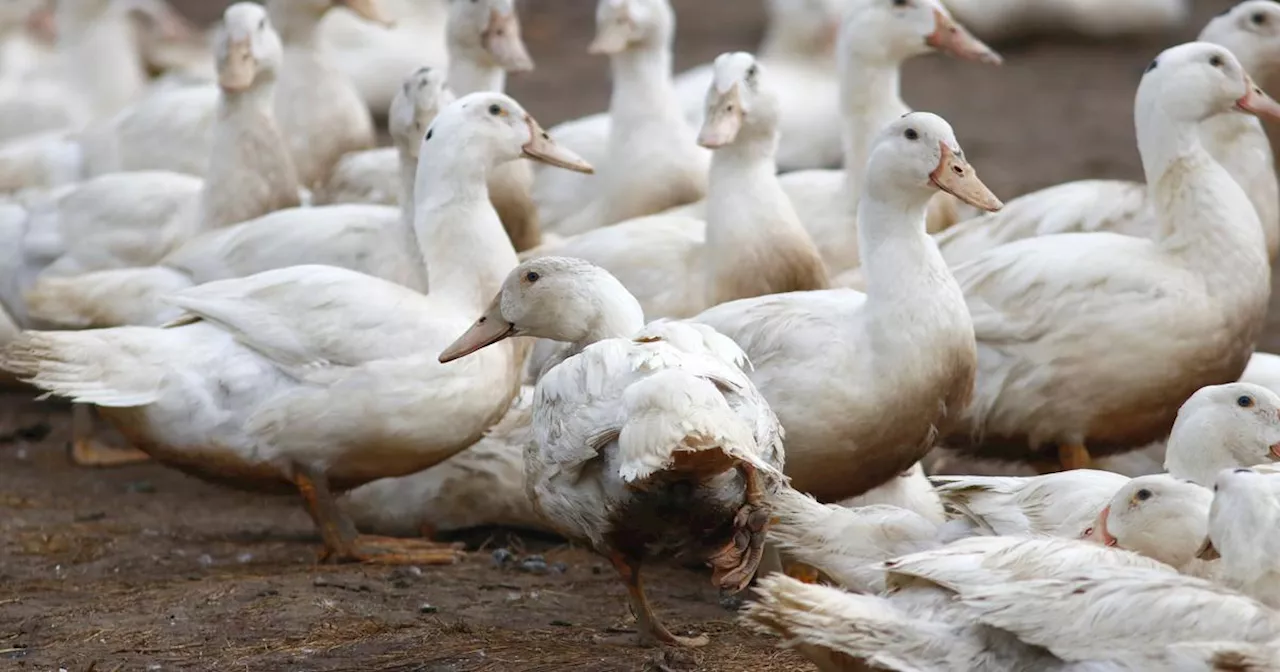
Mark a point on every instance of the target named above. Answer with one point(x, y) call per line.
point(1255, 101)
point(954, 39)
point(369, 10)
point(501, 38)
point(955, 176)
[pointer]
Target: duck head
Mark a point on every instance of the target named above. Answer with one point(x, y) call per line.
point(419, 99)
point(247, 47)
point(1251, 30)
point(1224, 426)
point(488, 31)
point(625, 24)
point(496, 125)
point(739, 96)
point(557, 298)
point(1194, 81)
point(1158, 516)
point(892, 31)
point(918, 154)
point(1242, 521)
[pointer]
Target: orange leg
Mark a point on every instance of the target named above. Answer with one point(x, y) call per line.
point(343, 544)
point(735, 564)
point(803, 573)
point(1074, 456)
point(649, 629)
point(87, 450)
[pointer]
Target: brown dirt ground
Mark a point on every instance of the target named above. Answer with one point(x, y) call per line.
point(142, 568)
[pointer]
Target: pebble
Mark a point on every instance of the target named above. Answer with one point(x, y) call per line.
point(140, 487)
point(425, 608)
point(501, 557)
point(205, 560)
point(560, 568)
point(732, 602)
point(244, 558)
point(534, 564)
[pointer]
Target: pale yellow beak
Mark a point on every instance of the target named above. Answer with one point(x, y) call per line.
point(502, 40)
point(611, 38)
point(369, 10)
point(723, 120)
point(948, 36)
point(238, 71)
point(1257, 102)
point(543, 149)
point(489, 329)
point(955, 176)
point(1207, 551)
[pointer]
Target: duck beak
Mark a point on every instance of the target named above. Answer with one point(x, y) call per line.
point(724, 120)
point(1257, 102)
point(955, 176)
point(502, 40)
point(1275, 450)
point(240, 67)
point(369, 10)
point(1098, 532)
point(545, 150)
point(611, 38)
point(43, 24)
point(950, 37)
point(1207, 551)
point(489, 329)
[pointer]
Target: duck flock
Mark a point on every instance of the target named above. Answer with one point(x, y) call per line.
point(634, 331)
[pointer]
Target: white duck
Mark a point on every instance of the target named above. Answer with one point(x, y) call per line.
point(645, 150)
point(1251, 30)
point(371, 239)
point(1264, 370)
point(1009, 19)
point(1091, 341)
point(1219, 427)
point(484, 43)
point(751, 244)
point(876, 38)
point(899, 360)
point(1242, 533)
point(135, 218)
point(375, 58)
point(318, 378)
point(649, 442)
point(799, 51)
point(1157, 516)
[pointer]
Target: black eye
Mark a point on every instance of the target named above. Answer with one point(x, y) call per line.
point(899, 3)
point(1215, 61)
point(1258, 19)
point(751, 72)
point(531, 276)
point(1152, 66)
point(262, 25)
point(1243, 471)
point(430, 132)
point(495, 109)
point(482, 320)
point(911, 134)
point(1244, 402)
point(1144, 494)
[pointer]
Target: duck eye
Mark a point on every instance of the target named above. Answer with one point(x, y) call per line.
point(1244, 402)
point(751, 72)
point(1144, 494)
point(430, 132)
point(1243, 471)
point(899, 3)
point(1087, 531)
point(1258, 19)
point(531, 276)
point(911, 134)
point(495, 109)
point(1216, 61)
point(1152, 65)
point(262, 25)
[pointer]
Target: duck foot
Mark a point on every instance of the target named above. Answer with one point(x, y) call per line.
point(735, 564)
point(803, 573)
point(87, 450)
point(649, 630)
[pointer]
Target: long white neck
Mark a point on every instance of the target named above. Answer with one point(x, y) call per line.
point(297, 27)
point(99, 56)
point(1239, 143)
point(1202, 445)
point(869, 100)
point(902, 263)
point(1207, 220)
point(642, 86)
point(466, 250)
point(617, 315)
point(468, 75)
point(783, 40)
point(408, 236)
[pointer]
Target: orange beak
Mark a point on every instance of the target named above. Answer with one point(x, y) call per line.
point(543, 149)
point(1257, 102)
point(955, 176)
point(238, 71)
point(950, 37)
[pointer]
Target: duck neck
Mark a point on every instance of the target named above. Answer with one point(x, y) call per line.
point(100, 57)
point(784, 41)
point(901, 261)
point(870, 99)
point(1206, 219)
point(408, 236)
point(618, 315)
point(642, 84)
point(297, 27)
point(251, 171)
point(461, 240)
point(469, 75)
